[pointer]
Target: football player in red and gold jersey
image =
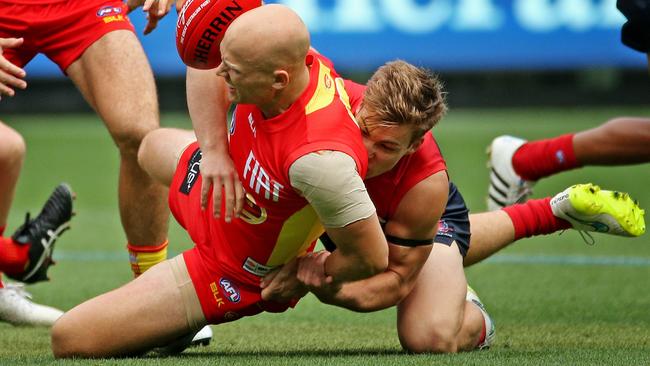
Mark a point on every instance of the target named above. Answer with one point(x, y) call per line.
point(299, 152)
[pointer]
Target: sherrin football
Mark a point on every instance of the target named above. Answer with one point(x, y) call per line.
point(200, 28)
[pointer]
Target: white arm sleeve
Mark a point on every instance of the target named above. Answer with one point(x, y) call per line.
point(329, 181)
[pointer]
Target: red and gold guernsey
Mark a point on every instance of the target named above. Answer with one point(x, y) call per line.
point(277, 223)
point(388, 189)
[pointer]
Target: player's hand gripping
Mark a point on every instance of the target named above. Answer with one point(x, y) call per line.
point(218, 172)
point(11, 76)
point(311, 270)
point(281, 285)
point(311, 273)
point(155, 9)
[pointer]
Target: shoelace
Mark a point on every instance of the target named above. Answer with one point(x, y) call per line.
point(585, 235)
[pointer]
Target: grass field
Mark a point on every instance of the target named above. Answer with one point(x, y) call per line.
point(555, 299)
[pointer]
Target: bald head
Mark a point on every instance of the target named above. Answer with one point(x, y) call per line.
point(271, 36)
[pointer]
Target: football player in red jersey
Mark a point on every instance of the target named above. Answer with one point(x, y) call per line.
point(94, 44)
point(291, 129)
point(407, 181)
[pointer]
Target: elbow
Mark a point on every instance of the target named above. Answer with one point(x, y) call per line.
point(368, 267)
point(378, 263)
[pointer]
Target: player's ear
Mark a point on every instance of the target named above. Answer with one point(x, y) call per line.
point(415, 145)
point(281, 79)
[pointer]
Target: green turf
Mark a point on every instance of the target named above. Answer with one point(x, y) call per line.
point(547, 312)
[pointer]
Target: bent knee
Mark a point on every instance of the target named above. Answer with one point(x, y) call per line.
point(429, 342)
point(61, 339)
point(68, 340)
point(13, 147)
point(145, 150)
point(128, 140)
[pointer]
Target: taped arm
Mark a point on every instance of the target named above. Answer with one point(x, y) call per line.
point(330, 183)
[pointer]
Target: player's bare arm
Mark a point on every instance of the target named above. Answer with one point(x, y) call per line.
point(11, 76)
point(208, 105)
point(412, 220)
point(363, 251)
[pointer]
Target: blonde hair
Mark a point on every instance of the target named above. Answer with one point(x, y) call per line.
point(399, 93)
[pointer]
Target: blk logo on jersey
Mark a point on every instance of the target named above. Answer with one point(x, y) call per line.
point(192, 173)
point(232, 292)
point(216, 295)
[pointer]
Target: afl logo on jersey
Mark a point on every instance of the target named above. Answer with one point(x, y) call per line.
point(109, 10)
point(232, 292)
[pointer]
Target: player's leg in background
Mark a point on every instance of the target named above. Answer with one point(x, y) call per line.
point(517, 164)
point(160, 151)
point(15, 305)
point(114, 76)
point(435, 316)
point(147, 312)
point(12, 153)
point(619, 141)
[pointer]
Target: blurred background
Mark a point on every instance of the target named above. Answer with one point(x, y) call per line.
point(491, 53)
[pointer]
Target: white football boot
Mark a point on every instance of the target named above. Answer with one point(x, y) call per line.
point(200, 338)
point(16, 308)
point(589, 208)
point(506, 186)
point(490, 330)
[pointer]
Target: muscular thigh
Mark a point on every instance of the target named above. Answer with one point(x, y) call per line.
point(114, 76)
point(435, 305)
point(146, 312)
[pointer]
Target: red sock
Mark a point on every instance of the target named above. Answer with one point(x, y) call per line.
point(13, 256)
point(539, 159)
point(535, 217)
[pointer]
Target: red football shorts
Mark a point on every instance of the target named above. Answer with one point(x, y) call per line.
point(62, 30)
point(223, 298)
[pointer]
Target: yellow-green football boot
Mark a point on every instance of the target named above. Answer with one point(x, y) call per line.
point(589, 208)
